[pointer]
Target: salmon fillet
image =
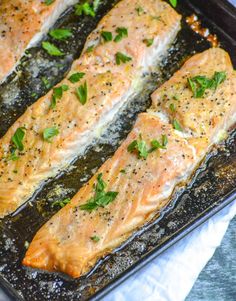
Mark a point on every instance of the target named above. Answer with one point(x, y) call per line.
point(22, 25)
point(65, 243)
point(140, 178)
point(209, 116)
point(92, 94)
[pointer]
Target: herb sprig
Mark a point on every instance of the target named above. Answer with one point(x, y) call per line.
point(75, 77)
point(82, 93)
point(49, 133)
point(173, 3)
point(200, 83)
point(140, 146)
point(17, 139)
point(57, 94)
point(122, 58)
point(177, 126)
point(52, 49)
point(101, 198)
point(106, 36)
point(85, 9)
point(60, 33)
point(48, 2)
point(122, 32)
point(95, 238)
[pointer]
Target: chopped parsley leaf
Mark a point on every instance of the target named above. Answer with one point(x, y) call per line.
point(107, 36)
point(60, 34)
point(122, 58)
point(85, 9)
point(57, 94)
point(148, 42)
point(100, 198)
point(122, 32)
point(177, 126)
point(48, 2)
point(95, 238)
point(200, 83)
point(172, 107)
point(49, 133)
point(89, 49)
point(17, 139)
point(156, 144)
point(82, 93)
point(75, 77)
point(139, 146)
point(173, 3)
point(52, 49)
point(12, 156)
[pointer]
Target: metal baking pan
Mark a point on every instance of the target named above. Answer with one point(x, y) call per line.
point(212, 187)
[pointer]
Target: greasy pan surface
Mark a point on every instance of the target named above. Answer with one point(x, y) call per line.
point(208, 191)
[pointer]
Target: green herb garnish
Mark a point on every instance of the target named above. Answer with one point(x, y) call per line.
point(60, 34)
point(75, 77)
point(122, 32)
point(95, 238)
point(218, 78)
point(173, 3)
point(82, 93)
point(156, 144)
point(139, 10)
point(49, 133)
point(61, 203)
point(176, 97)
point(12, 156)
point(172, 107)
point(148, 42)
point(57, 94)
point(17, 138)
point(122, 58)
point(199, 84)
point(85, 9)
point(48, 2)
point(89, 49)
point(52, 49)
point(107, 36)
point(139, 146)
point(177, 126)
point(58, 91)
point(100, 198)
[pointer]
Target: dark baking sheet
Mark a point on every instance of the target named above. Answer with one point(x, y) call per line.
point(212, 188)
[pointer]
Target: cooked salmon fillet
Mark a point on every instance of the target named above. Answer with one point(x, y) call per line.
point(22, 24)
point(65, 243)
point(139, 178)
point(82, 104)
point(208, 116)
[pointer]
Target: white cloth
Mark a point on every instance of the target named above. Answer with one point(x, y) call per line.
point(170, 276)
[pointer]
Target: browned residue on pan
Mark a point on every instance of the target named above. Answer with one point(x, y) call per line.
point(196, 26)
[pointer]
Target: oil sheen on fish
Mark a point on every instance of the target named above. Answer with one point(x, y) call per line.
point(22, 24)
point(161, 152)
point(99, 83)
